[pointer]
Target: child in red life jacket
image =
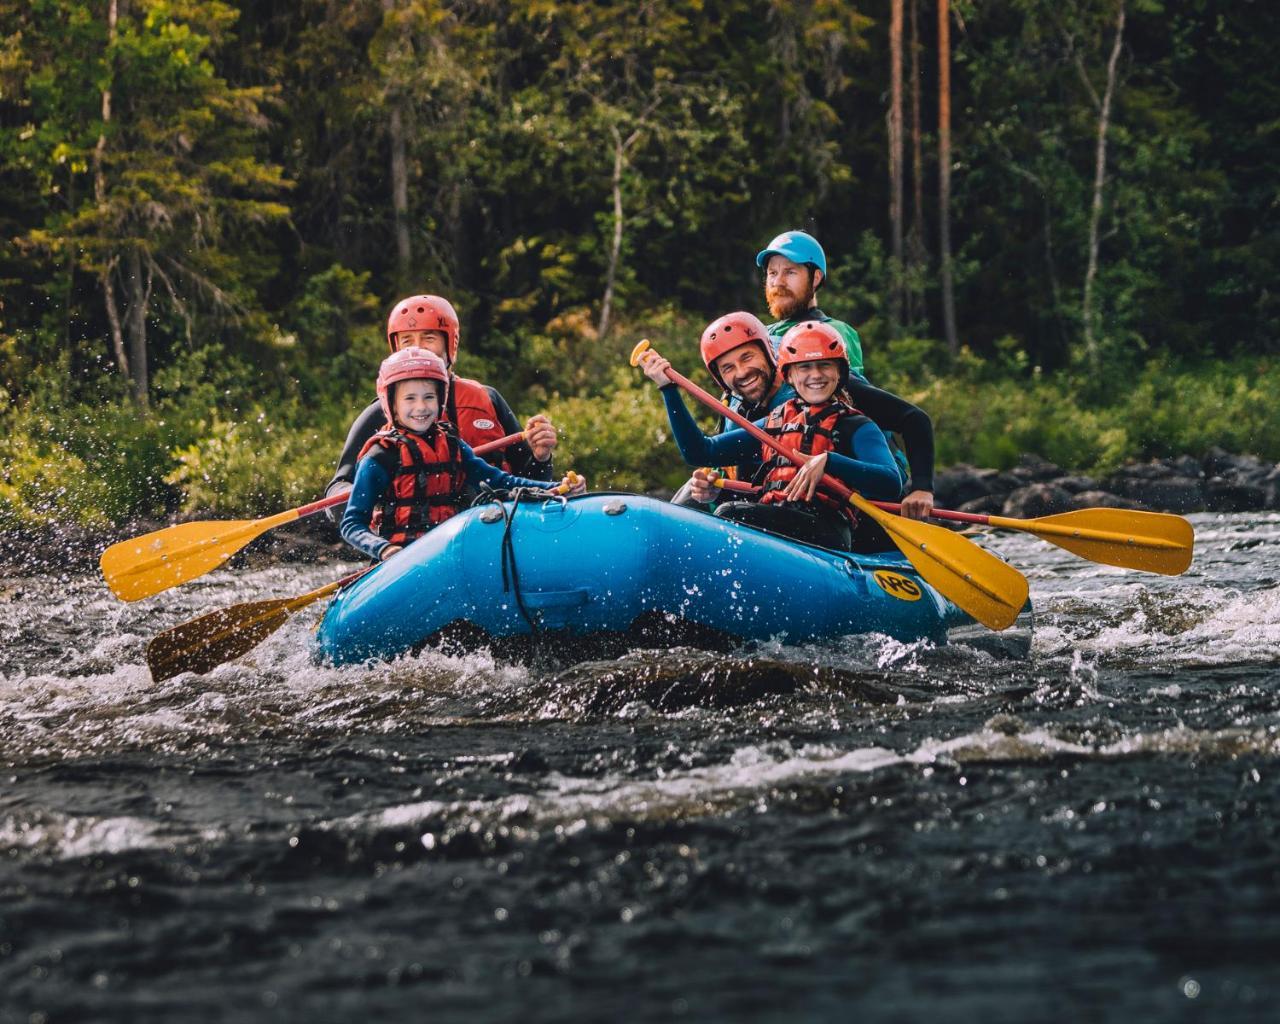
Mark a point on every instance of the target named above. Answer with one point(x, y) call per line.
point(413, 471)
point(819, 424)
point(478, 412)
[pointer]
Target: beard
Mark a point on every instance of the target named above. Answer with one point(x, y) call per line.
point(757, 382)
point(784, 304)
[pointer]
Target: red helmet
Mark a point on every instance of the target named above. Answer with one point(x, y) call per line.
point(410, 364)
point(424, 313)
point(808, 341)
point(729, 332)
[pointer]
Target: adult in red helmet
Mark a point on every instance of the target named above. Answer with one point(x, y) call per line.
point(818, 423)
point(795, 269)
point(479, 412)
point(739, 356)
point(412, 473)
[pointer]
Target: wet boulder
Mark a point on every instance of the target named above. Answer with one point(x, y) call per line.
point(987, 505)
point(1173, 494)
point(1271, 489)
point(1034, 469)
point(1077, 484)
point(1173, 485)
point(1105, 499)
point(1185, 465)
point(1034, 500)
point(1247, 469)
point(1223, 494)
point(962, 483)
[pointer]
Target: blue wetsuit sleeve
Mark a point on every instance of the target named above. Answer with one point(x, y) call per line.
point(478, 471)
point(869, 468)
point(371, 484)
point(695, 447)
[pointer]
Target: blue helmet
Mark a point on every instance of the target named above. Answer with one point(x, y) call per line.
point(798, 247)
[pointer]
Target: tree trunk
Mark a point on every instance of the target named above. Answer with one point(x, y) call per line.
point(136, 325)
point(615, 248)
point(399, 177)
point(917, 253)
point(113, 319)
point(400, 196)
point(944, 176)
point(895, 154)
point(1099, 180)
point(100, 196)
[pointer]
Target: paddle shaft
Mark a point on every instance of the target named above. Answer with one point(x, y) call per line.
point(310, 598)
point(1039, 527)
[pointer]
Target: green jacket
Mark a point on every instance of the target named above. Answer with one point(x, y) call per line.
point(852, 343)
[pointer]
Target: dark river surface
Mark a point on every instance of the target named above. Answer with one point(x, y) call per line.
point(870, 831)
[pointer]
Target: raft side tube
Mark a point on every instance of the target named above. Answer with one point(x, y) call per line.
point(598, 563)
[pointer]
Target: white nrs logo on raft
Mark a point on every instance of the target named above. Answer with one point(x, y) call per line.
point(899, 586)
point(484, 424)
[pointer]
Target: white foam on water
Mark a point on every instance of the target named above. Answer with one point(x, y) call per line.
point(753, 774)
point(1009, 740)
point(67, 837)
point(276, 685)
point(719, 789)
point(1192, 625)
point(1244, 628)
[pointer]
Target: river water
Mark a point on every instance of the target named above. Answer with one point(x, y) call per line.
point(871, 830)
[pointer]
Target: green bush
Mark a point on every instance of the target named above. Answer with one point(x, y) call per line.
point(79, 461)
point(257, 465)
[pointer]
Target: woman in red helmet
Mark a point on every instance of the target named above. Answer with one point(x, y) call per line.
point(411, 474)
point(819, 424)
point(478, 412)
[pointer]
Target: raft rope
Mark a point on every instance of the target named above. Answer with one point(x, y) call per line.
point(510, 573)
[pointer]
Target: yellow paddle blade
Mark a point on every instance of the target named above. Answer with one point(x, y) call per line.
point(213, 639)
point(976, 581)
point(146, 565)
point(1150, 541)
point(220, 636)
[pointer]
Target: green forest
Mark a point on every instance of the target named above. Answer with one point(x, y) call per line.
point(1056, 223)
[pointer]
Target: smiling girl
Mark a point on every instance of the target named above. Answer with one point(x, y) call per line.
point(411, 474)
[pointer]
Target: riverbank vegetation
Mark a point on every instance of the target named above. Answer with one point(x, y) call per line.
point(208, 207)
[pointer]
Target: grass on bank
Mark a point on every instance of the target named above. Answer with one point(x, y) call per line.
point(226, 439)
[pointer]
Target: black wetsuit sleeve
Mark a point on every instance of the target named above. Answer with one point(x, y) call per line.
point(519, 455)
point(897, 415)
point(366, 425)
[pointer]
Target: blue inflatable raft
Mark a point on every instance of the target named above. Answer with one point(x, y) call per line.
point(622, 566)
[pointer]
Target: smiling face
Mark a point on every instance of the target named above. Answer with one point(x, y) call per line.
point(746, 372)
point(815, 381)
point(432, 341)
point(417, 404)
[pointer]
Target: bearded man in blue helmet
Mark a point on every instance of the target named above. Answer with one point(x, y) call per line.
point(795, 267)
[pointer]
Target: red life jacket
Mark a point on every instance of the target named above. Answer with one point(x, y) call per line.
point(809, 430)
point(471, 411)
point(426, 485)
